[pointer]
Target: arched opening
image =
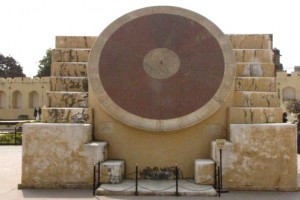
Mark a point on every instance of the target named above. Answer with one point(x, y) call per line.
point(17, 100)
point(3, 102)
point(33, 99)
point(288, 93)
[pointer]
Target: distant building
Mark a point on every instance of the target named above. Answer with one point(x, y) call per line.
point(19, 96)
point(288, 85)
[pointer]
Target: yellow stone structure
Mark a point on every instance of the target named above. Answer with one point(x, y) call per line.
point(19, 96)
point(260, 152)
point(288, 85)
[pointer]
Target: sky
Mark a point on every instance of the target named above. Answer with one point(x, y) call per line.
point(28, 27)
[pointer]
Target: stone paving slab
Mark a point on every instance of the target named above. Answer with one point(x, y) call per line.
point(157, 188)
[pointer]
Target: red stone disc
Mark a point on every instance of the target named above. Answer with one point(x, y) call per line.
point(160, 64)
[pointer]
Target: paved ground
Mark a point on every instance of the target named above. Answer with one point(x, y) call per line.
point(10, 176)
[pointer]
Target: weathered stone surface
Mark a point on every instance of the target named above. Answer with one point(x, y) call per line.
point(254, 55)
point(70, 55)
point(255, 99)
point(74, 84)
point(68, 99)
point(112, 171)
point(67, 115)
point(259, 84)
point(251, 41)
point(96, 151)
point(66, 69)
point(54, 155)
point(243, 115)
point(255, 69)
point(160, 173)
point(204, 171)
point(262, 157)
point(84, 42)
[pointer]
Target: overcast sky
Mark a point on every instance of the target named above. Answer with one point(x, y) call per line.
point(28, 27)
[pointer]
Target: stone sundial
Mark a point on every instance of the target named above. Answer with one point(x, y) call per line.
point(161, 68)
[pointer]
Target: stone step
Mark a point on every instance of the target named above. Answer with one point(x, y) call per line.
point(186, 187)
point(67, 115)
point(258, 115)
point(259, 84)
point(255, 69)
point(255, 99)
point(96, 151)
point(254, 55)
point(69, 69)
point(112, 171)
point(251, 41)
point(84, 42)
point(70, 55)
point(204, 171)
point(68, 99)
point(70, 84)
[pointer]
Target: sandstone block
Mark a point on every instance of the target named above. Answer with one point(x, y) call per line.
point(204, 171)
point(53, 155)
point(85, 42)
point(258, 147)
point(255, 69)
point(64, 69)
point(68, 99)
point(67, 115)
point(254, 55)
point(243, 115)
point(70, 55)
point(96, 151)
point(227, 153)
point(112, 171)
point(250, 41)
point(259, 84)
point(255, 99)
point(71, 84)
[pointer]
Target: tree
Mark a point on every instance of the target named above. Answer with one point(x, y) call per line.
point(9, 67)
point(45, 64)
point(293, 106)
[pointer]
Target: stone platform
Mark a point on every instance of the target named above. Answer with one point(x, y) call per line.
point(156, 188)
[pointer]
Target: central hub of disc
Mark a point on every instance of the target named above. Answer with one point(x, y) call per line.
point(161, 63)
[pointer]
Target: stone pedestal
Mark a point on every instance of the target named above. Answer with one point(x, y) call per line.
point(112, 171)
point(204, 171)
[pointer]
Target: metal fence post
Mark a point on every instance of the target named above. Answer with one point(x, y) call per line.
point(136, 180)
point(94, 180)
point(99, 183)
point(176, 175)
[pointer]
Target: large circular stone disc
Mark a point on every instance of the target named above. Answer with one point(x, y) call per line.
point(161, 68)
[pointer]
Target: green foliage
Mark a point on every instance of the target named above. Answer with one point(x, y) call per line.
point(11, 138)
point(45, 64)
point(293, 106)
point(9, 67)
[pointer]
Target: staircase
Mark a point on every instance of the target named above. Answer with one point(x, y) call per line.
point(63, 142)
point(258, 142)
